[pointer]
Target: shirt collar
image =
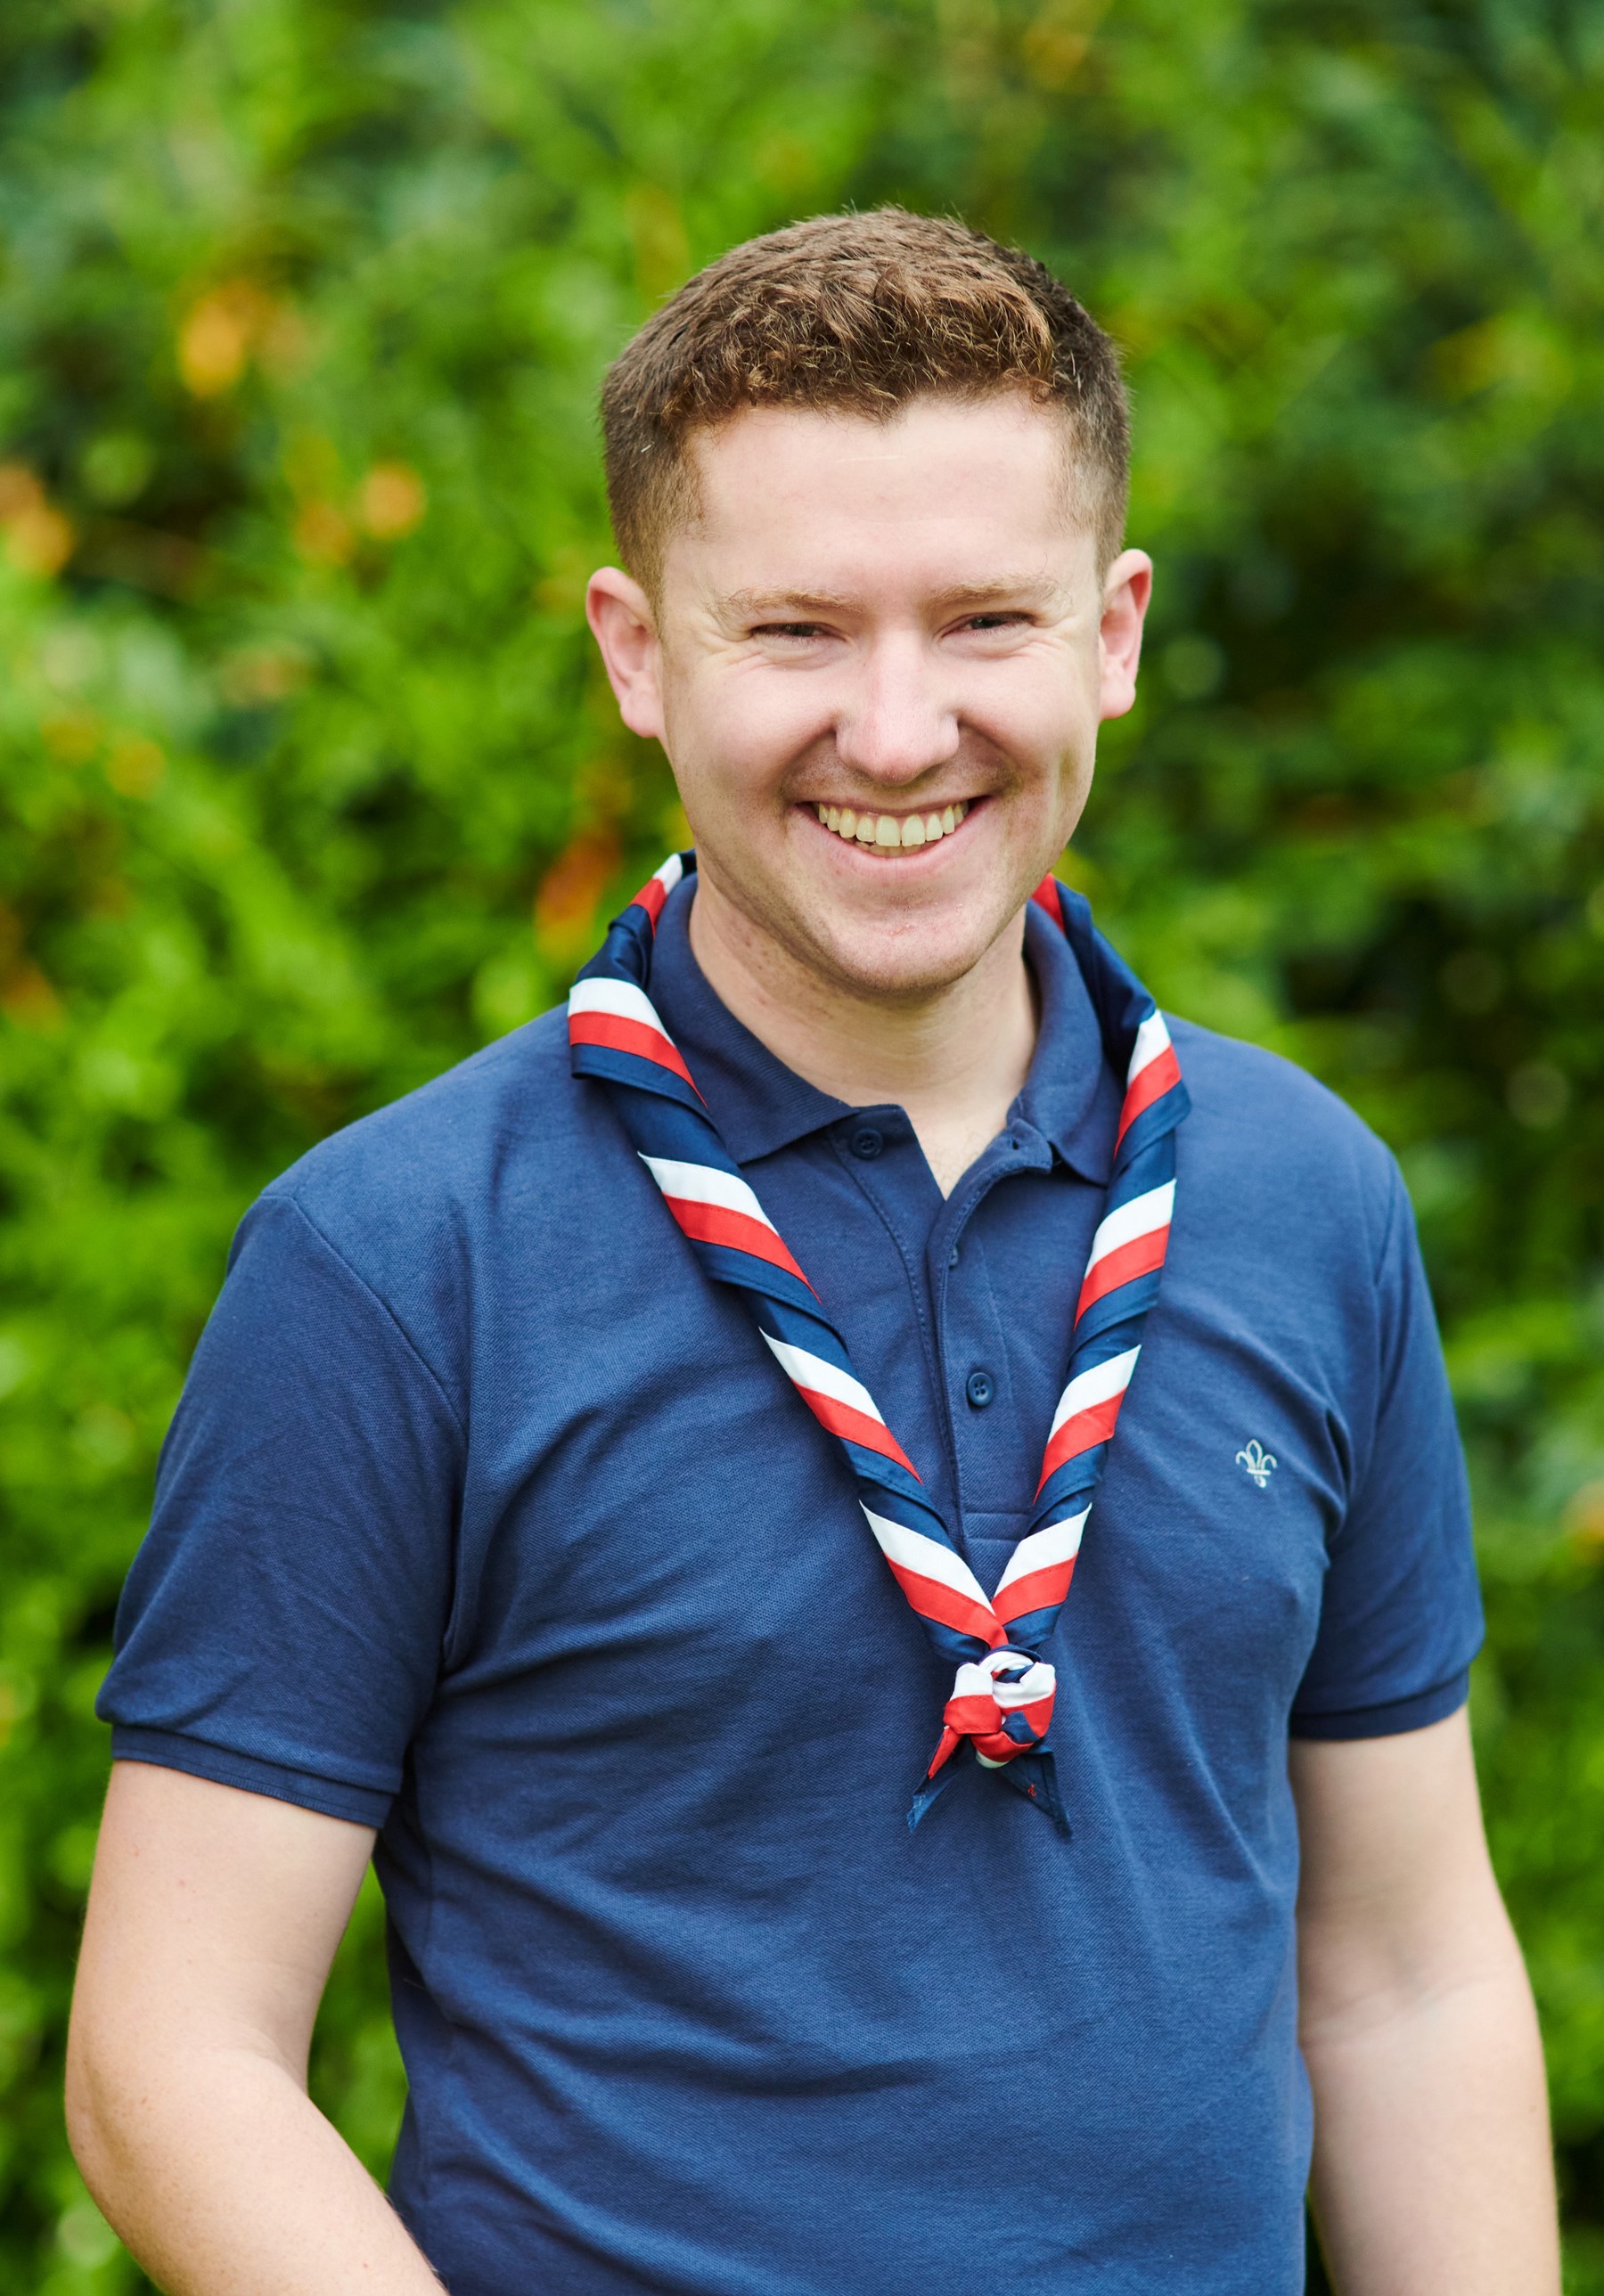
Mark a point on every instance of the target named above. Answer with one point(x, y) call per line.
point(1071, 1096)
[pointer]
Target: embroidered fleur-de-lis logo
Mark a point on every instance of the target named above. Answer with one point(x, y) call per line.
point(1257, 1462)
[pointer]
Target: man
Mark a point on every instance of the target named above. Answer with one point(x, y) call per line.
point(597, 1463)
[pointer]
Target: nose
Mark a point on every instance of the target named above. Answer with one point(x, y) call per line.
point(898, 721)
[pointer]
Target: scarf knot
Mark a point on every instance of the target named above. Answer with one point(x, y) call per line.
point(1002, 1703)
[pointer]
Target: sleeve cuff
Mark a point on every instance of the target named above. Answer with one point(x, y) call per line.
point(167, 1749)
point(1388, 1721)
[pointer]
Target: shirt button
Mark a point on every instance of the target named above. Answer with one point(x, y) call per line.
point(980, 1387)
point(865, 1141)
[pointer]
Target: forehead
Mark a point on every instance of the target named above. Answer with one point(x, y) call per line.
point(946, 489)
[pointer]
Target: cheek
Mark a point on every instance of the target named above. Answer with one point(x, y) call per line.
point(1039, 706)
point(737, 730)
point(1048, 732)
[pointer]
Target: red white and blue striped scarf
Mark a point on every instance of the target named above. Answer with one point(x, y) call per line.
point(1002, 1700)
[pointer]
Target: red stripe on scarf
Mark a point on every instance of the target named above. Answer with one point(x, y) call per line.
point(715, 1223)
point(933, 1599)
point(855, 1426)
point(616, 1035)
point(1151, 1085)
point(1038, 1590)
point(1080, 1431)
point(1127, 1261)
point(1046, 897)
point(651, 898)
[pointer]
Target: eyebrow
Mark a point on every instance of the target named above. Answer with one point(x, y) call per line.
point(1021, 589)
point(742, 605)
point(1015, 589)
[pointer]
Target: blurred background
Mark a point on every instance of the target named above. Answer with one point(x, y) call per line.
point(310, 785)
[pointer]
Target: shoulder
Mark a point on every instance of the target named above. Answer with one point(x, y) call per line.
point(483, 1161)
point(1268, 1148)
point(449, 1138)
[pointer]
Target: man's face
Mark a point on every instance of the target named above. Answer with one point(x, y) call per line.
point(879, 665)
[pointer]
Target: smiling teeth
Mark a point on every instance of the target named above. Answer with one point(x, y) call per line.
point(890, 832)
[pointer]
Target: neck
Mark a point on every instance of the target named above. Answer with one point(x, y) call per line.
point(953, 1061)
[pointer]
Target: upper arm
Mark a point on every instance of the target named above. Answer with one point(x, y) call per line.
point(1399, 1613)
point(284, 1624)
point(1396, 1895)
point(213, 1919)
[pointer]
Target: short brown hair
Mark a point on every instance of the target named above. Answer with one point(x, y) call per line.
point(861, 314)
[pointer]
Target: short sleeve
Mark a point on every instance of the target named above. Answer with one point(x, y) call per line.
point(282, 1626)
point(1400, 1616)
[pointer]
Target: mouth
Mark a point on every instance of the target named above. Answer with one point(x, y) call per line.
point(890, 833)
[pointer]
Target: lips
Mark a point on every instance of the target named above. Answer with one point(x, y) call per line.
point(892, 832)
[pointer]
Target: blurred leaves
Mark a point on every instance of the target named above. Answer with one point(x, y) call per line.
point(308, 783)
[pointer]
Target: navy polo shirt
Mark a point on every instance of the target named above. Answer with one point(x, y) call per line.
point(487, 1522)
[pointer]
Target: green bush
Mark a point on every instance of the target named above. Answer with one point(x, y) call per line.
point(308, 783)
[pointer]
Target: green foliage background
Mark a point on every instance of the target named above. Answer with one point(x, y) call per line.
point(309, 784)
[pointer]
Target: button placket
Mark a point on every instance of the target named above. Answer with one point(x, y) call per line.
point(969, 1335)
point(882, 1177)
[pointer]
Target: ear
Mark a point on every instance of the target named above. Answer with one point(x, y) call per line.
point(1126, 589)
point(619, 614)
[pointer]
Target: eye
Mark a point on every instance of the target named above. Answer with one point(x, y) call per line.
point(799, 630)
point(999, 621)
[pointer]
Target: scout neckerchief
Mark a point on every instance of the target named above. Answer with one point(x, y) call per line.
point(1002, 1700)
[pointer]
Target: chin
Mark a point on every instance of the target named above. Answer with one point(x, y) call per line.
point(876, 929)
point(901, 957)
